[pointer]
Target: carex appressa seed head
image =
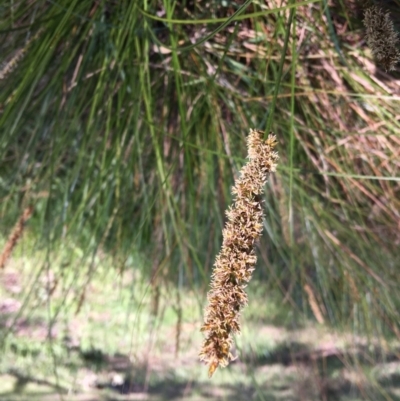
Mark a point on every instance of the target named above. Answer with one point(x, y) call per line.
point(382, 37)
point(237, 259)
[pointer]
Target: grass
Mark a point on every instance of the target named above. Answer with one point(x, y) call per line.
point(114, 348)
point(130, 143)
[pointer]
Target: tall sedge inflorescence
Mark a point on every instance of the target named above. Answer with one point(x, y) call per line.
point(15, 235)
point(11, 64)
point(381, 36)
point(236, 261)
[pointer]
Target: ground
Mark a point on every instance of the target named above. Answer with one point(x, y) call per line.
point(109, 347)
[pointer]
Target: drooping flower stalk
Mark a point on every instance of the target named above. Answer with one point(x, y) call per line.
point(236, 261)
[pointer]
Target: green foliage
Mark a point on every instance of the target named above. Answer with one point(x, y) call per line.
point(114, 345)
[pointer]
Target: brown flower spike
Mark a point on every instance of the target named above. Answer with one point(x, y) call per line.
point(15, 235)
point(381, 37)
point(236, 261)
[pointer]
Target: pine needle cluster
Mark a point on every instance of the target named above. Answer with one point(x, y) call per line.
point(381, 37)
point(236, 261)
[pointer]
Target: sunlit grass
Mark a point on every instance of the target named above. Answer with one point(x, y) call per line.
point(113, 341)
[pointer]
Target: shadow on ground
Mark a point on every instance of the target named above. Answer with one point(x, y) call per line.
point(292, 371)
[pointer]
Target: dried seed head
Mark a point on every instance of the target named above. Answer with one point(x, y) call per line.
point(236, 261)
point(15, 235)
point(381, 37)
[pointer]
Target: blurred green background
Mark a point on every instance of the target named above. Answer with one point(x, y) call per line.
point(123, 127)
